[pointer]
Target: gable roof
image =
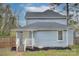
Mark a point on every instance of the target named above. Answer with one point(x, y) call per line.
point(47, 13)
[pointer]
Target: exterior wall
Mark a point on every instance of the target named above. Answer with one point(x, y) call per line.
point(26, 34)
point(70, 37)
point(54, 42)
point(52, 36)
point(61, 21)
point(41, 41)
point(63, 43)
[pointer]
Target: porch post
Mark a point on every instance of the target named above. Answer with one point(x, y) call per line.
point(17, 41)
point(32, 39)
point(25, 43)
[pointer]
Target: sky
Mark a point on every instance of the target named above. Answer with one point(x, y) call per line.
point(33, 7)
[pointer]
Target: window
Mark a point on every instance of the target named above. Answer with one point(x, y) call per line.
point(60, 37)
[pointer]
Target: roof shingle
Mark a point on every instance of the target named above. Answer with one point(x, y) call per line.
point(46, 25)
point(47, 13)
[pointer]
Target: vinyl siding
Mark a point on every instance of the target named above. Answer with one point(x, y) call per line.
point(63, 43)
point(52, 41)
point(48, 38)
point(70, 37)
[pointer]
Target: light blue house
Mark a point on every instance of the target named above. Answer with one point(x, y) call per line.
point(44, 29)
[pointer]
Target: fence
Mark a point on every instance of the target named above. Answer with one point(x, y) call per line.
point(7, 42)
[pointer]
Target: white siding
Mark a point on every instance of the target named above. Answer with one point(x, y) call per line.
point(70, 37)
point(63, 43)
point(17, 39)
point(45, 38)
point(50, 39)
point(61, 21)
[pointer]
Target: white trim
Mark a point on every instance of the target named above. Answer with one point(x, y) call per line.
point(32, 33)
point(67, 37)
point(46, 17)
point(25, 41)
point(17, 41)
point(27, 29)
point(62, 35)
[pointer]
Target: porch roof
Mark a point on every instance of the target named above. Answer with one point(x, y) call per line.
point(46, 25)
point(43, 26)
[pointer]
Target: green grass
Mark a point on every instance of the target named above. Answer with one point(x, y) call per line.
point(6, 52)
point(66, 52)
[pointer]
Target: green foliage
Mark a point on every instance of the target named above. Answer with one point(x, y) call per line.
point(7, 19)
point(4, 34)
point(72, 22)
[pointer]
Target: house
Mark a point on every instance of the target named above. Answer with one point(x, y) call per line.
point(44, 29)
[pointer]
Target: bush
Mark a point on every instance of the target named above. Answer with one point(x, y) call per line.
point(4, 34)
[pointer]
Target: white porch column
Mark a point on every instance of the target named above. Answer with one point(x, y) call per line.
point(25, 41)
point(32, 33)
point(17, 41)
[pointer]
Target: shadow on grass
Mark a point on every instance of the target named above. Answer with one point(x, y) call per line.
point(45, 48)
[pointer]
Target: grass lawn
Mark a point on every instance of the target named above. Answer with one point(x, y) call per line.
point(66, 52)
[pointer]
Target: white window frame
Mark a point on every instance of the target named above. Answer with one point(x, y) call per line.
point(58, 35)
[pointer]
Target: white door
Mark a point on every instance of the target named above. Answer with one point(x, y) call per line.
point(45, 38)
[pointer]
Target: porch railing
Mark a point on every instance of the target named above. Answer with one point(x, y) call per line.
point(26, 42)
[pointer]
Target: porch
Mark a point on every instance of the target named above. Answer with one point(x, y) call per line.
point(24, 39)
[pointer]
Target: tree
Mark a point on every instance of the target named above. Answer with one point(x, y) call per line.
point(7, 19)
point(73, 22)
point(68, 7)
point(1, 14)
point(65, 7)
